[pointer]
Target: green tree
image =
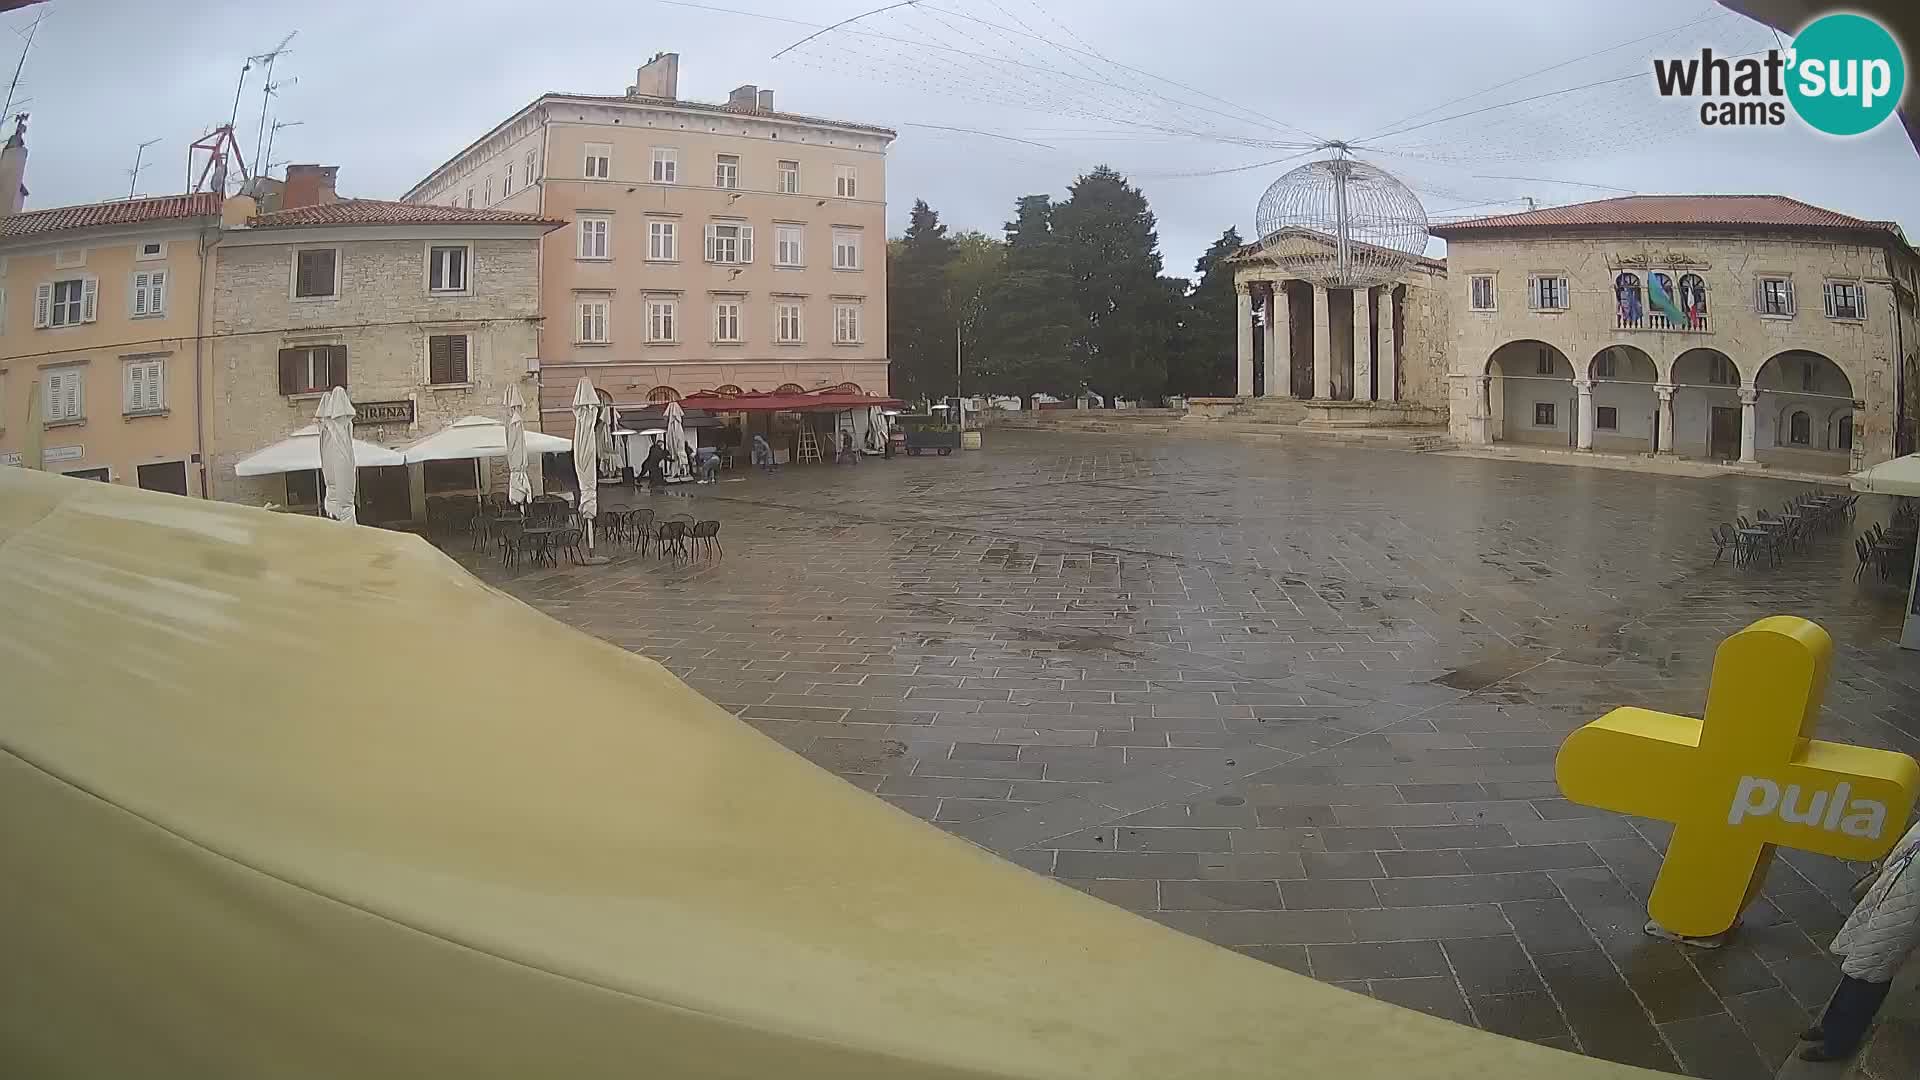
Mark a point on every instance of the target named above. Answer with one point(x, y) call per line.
point(1027, 319)
point(980, 261)
point(1202, 361)
point(1112, 255)
point(919, 305)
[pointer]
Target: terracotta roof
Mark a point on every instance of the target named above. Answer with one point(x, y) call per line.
point(825, 400)
point(1257, 251)
point(381, 212)
point(123, 212)
point(1747, 211)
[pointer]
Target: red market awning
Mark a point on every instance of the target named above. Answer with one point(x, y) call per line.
point(787, 402)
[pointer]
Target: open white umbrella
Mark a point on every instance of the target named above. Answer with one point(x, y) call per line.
point(1898, 476)
point(300, 452)
point(586, 452)
point(677, 439)
point(519, 490)
point(476, 437)
point(338, 463)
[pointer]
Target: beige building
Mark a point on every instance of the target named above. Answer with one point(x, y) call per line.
point(424, 313)
point(1745, 328)
point(1357, 356)
point(709, 247)
point(100, 316)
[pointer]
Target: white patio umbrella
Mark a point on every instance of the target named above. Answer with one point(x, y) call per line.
point(519, 490)
point(586, 452)
point(339, 469)
point(1898, 476)
point(300, 452)
point(876, 428)
point(677, 439)
point(477, 437)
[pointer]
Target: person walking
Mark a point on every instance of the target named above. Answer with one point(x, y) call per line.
point(1872, 945)
point(848, 455)
point(762, 453)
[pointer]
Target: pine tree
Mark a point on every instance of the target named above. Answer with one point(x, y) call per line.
point(1112, 255)
point(1028, 319)
point(1203, 361)
point(920, 317)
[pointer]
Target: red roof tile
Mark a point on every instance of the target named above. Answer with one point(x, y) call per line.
point(1749, 211)
point(381, 212)
point(123, 212)
point(777, 402)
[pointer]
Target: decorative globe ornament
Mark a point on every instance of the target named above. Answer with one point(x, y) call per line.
point(1342, 223)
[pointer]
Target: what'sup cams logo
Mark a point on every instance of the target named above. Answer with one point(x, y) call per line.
point(1844, 74)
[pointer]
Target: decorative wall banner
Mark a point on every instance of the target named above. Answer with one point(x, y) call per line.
point(1747, 777)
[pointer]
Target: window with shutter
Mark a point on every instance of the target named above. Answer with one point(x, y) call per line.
point(42, 306)
point(447, 269)
point(336, 366)
point(149, 293)
point(846, 181)
point(447, 360)
point(89, 296)
point(65, 395)
point(746, 243)
point(314, 273)
point(144, 379)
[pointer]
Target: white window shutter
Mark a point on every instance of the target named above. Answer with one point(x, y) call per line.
point(156, 371)
point(746, 243)
point(89, 293)
point(157, 291)
point(1829, 299)
point(1790, 301)
point(136, 386)
point(712, 244)
point(139, 294)
point(42, 306)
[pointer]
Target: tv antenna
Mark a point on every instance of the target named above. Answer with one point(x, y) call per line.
point(13, 87)
point(267, 86)
point(133, 174)
point(266, 162)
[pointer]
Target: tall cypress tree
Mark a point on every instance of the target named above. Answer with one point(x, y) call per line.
point(1112, 254)
point(920, 316)
point(1028, 319)
point(1203, 361)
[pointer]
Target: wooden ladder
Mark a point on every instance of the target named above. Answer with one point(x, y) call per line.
point(809, 447)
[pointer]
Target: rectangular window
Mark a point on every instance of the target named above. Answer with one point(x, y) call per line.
point(447, 360)
point(469, 198)
point(149, 293)
point(145, 386)
point(1543, 414)
point(599, 162)
point(1603, 365)
point(593, 322)
point(786, 323)
point(1806, 375)
point(1800, 429)
point(593, 237)
point(660, 320)
point(726, 321)
point(447, 269)
point(1543, 362)
point(1548, 292)
point(152, 249)
point(1606, 418)
point(312, 369)
point(790, 178)
point(787, 245)
point(65, 303)
point(66, 395)
point(1845, 300)
point(1721, 372)
point(846, 324)
point(666, 165)
point(1480, 288)
point(489, 201)
point(533, 165)
point(315, 273)
point(1776, 296)
point(846, 181)
point(726, 171)
point(729, 243)
point(506, 181)
point(846, 249)
point(663, 241)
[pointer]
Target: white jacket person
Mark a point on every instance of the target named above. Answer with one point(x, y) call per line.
point(1885, 926)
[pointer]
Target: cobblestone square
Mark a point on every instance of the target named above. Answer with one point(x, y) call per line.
point(1301, 702)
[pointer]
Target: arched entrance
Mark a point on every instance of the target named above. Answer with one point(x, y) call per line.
point(1707, 419)
point(1625, 410)
point(1530, 395)
point(1803, 413)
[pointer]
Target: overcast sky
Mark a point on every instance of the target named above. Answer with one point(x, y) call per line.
point(389, 90)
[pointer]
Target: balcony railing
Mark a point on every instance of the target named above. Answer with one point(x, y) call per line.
point(1655, 320)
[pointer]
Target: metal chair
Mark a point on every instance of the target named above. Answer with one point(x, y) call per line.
point(1723, 538)
point(671, 536)
point(567, 540)
point(640, 528)
point(707, 534)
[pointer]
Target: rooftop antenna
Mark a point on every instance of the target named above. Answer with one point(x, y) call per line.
point(266, 161)
point(14, 86)
point(267, 87)
point(133, 174)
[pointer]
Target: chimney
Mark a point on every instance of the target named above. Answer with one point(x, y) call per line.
point(309, 185)
point(744, 97)
point(660, 78)
point(13, 168)
point(765, 104)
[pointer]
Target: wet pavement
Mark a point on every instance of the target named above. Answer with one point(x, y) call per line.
point(1300, 702)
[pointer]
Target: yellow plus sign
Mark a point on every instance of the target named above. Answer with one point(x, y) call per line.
point(1747, 777)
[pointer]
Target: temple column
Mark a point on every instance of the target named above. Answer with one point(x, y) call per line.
point(1748, 398)
point(1243, 311)
point(1322, 332)
point(1665, 395)
point(1389, 360)
point(1583, 430)
point(1362, 345)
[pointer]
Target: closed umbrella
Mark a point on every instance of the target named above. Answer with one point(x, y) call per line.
point(677, 439)
point(337, 468)
point(519, 490)
point(31, 452)
point(586, 452)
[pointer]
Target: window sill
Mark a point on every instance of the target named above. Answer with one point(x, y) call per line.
point(789, 266)
point(455, 294)
point(848, 344)
point(718, 341)
point(1483, 311)
point(1549, 310)
point(593, 344)
point(1775, 316)
point(305, 395)
point(790, 344)
point(664, 341)
point(593, 258)
point(1856, 320)
point(149, 315)
point(316, 299)
point(450, 386)
point(663, 262)
point(847, 269)
point(72, 421)
point(137, 414)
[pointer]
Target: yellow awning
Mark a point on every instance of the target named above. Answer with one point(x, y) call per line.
point(291, 798)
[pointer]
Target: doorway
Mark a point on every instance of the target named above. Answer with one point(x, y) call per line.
point(168, 476)
point(1723, 434)
point(385, 494)
point(90, 474)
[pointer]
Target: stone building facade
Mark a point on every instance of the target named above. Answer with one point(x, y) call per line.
point(710, 246)
point(1356, 356)
point(425, 315)
point(1755, 329)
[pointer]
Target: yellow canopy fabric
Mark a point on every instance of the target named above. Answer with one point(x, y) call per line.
point(291, 798)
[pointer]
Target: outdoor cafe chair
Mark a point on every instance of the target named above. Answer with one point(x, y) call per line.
point(1724, 538)
point(707, 534)
point(640, 528)
point(567, 540)
point(1864, 551)
point(671, 537)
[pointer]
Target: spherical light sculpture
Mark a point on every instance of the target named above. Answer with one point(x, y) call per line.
point(1342, 223)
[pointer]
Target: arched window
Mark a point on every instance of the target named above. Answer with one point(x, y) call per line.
point(789, 388)
point(1799, 428)
point(1693, 300)
point(1626, 290)
point(729, 390)
point(845, 388)
point(1843, 435)
point(660, 395)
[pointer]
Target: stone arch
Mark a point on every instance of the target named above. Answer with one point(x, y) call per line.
point(789, 388)
point(1530, 396)
point(844, 388)
point(1708, 412)
point(660, 395)
point(1799, 383)
point(1625, 409)
point(729, 390)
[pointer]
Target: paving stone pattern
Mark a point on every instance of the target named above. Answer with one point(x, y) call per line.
point(1301, 702)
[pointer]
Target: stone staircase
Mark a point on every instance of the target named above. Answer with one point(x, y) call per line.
point(1266, 412)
